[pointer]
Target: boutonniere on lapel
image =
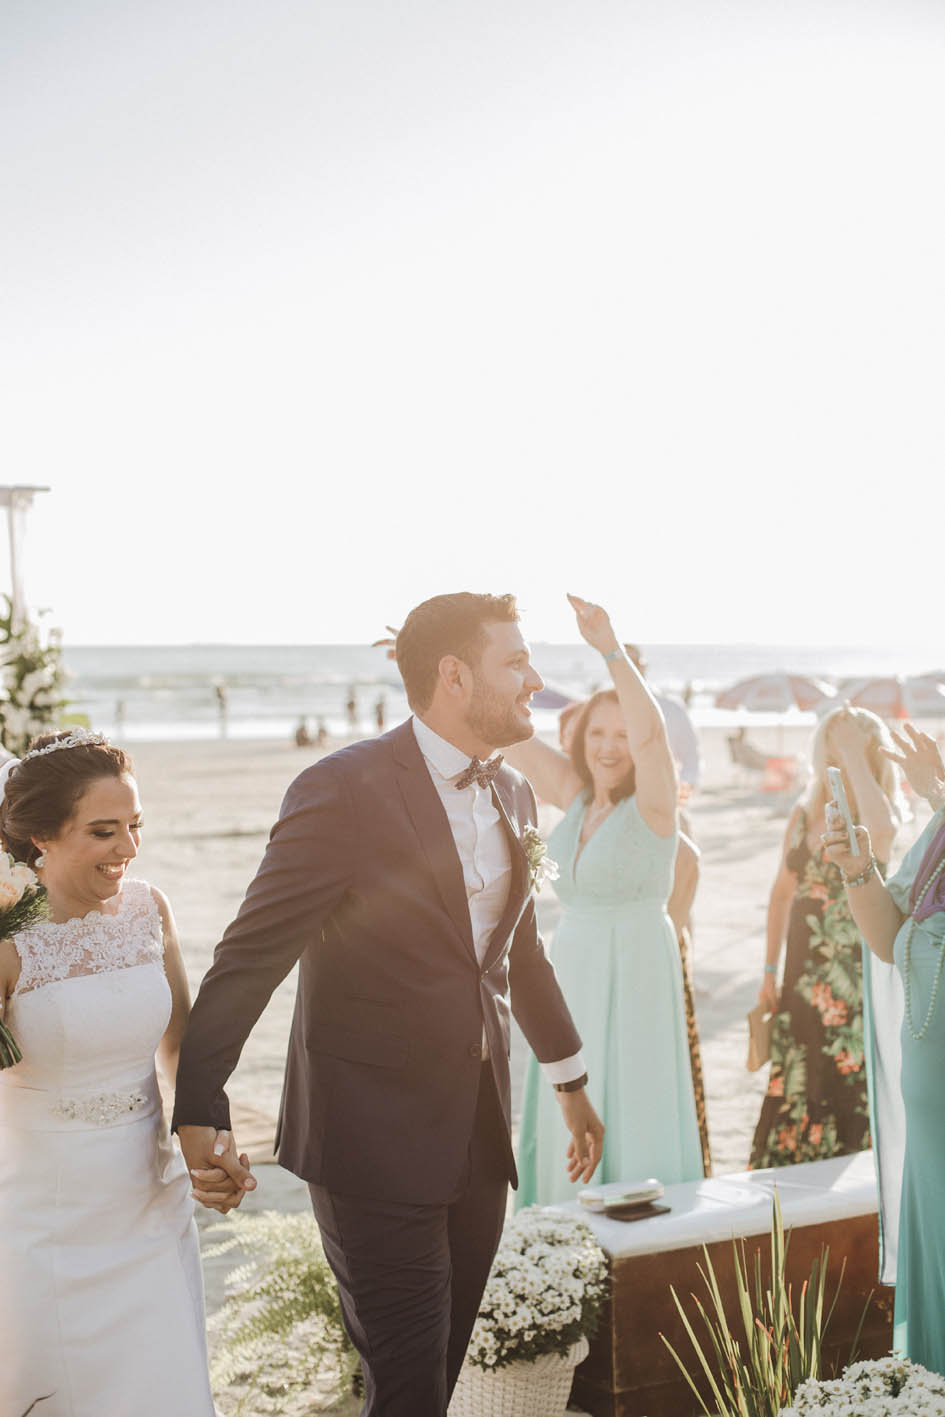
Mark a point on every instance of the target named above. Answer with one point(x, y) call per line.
point(540, 864)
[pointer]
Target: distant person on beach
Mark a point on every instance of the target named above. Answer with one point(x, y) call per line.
point(397, 877)
point(321, 733)
point(351, 709)
point(219, 689)
point(380, 709)
point(101, 1296)
point(303, 738)
point(816, 1105)
point(615, 949)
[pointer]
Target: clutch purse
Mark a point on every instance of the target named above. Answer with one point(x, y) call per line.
point(759, 1038)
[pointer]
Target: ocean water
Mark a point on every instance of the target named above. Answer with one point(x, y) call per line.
point(160, 692)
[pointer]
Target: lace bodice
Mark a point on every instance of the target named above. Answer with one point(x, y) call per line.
point(624, 863)
point(91, 944)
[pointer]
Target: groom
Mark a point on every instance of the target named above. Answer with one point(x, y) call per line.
point(396, 876)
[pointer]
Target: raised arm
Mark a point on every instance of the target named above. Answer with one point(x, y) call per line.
point(874, 808)
point(548, 770)
point(657, 787)
point(877, 915)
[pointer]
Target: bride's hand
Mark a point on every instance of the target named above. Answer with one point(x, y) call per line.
point(594, 625)
point(219, 1177)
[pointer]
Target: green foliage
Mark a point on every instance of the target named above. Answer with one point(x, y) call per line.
point(31, 682)
point(757, 1375)
point(285, 1292)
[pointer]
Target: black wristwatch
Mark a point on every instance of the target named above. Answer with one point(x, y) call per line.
point(574, 1086)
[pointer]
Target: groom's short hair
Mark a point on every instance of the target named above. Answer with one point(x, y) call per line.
point(446, 624)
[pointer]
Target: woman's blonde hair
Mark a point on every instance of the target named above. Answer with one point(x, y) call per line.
point(821, 756)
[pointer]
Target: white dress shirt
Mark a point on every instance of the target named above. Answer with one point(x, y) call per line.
point(483, 850)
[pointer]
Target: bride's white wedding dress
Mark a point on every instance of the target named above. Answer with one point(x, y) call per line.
point(101, 1297)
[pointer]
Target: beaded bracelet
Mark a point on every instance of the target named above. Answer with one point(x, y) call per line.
point(865, 875)
point(612, 654)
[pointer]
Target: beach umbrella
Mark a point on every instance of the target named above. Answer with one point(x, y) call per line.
point(549, 698)
point(897, 696)
point(775, 693)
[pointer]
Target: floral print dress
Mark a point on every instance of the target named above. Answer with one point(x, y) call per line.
point(816, 1104)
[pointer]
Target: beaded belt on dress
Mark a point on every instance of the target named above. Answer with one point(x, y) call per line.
point(89, 1109)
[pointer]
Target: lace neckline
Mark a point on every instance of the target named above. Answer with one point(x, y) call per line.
point(53, 950)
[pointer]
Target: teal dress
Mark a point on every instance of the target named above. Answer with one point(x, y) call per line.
point(920, 1277)
point(617, 960)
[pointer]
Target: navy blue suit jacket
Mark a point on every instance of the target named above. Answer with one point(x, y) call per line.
point(362, 884)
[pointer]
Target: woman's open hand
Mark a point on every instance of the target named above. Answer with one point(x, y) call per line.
point(594, 625)
point(921, 761)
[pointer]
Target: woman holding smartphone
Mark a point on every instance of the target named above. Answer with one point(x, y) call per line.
point(903, 922)
point(816, 1104)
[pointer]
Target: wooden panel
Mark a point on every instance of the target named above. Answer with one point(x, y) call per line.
point(630, 1373)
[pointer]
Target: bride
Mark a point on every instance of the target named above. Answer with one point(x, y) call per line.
point(101, 1298)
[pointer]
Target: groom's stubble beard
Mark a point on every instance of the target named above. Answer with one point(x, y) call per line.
point(493, 719)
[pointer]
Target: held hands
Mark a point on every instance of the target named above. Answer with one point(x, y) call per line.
point(220, 1178)
point(587, 1134)
point(837, 843)
point(921, 761)
point(594, 625)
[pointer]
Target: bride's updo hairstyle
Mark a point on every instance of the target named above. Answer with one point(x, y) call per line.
point(628, 783)
point(42, 792)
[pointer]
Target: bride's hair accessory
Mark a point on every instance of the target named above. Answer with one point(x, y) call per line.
point(77, 738)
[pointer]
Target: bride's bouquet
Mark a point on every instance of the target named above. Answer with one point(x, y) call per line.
point(22, 900)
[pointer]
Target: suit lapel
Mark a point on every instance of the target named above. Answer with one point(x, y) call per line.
point(520, 882)
point(433, 829)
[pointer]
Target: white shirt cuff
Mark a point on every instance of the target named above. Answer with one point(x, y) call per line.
point(566, 1070)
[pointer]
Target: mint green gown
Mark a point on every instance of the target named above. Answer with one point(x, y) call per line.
point(617, 960)
point(920, 1278)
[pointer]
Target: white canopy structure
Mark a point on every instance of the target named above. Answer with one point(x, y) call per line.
point(17, 501)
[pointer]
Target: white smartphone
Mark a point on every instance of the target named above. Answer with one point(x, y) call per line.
point(835, 778)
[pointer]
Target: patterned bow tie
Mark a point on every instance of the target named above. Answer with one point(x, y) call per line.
point(483, 773)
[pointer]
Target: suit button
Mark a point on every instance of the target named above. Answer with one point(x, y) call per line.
point(475, 1050)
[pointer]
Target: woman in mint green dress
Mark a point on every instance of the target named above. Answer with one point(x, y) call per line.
point(615, 950)
point(903, 922)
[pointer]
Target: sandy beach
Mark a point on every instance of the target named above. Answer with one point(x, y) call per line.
point(208, 808)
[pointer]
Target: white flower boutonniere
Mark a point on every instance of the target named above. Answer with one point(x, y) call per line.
point(540, 864)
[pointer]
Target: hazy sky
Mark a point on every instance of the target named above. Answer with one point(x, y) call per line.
point(312, 310)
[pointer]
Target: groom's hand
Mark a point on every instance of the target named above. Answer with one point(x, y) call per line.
point(587, 1134)
point(220, 1178)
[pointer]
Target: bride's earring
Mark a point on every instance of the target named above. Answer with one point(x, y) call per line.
point(40, 860)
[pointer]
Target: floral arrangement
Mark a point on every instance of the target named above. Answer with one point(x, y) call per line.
point(31, 681)
point(540, 864)
point(888, 1387)
point(22, 900)
point(545, 1290)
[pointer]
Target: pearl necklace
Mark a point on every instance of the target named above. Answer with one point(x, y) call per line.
point(907, 963)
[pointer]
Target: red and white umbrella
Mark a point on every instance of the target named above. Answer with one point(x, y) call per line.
point(894, 696)
point(775, 693)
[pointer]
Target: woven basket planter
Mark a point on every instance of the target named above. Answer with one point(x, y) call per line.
point(538, 1388)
